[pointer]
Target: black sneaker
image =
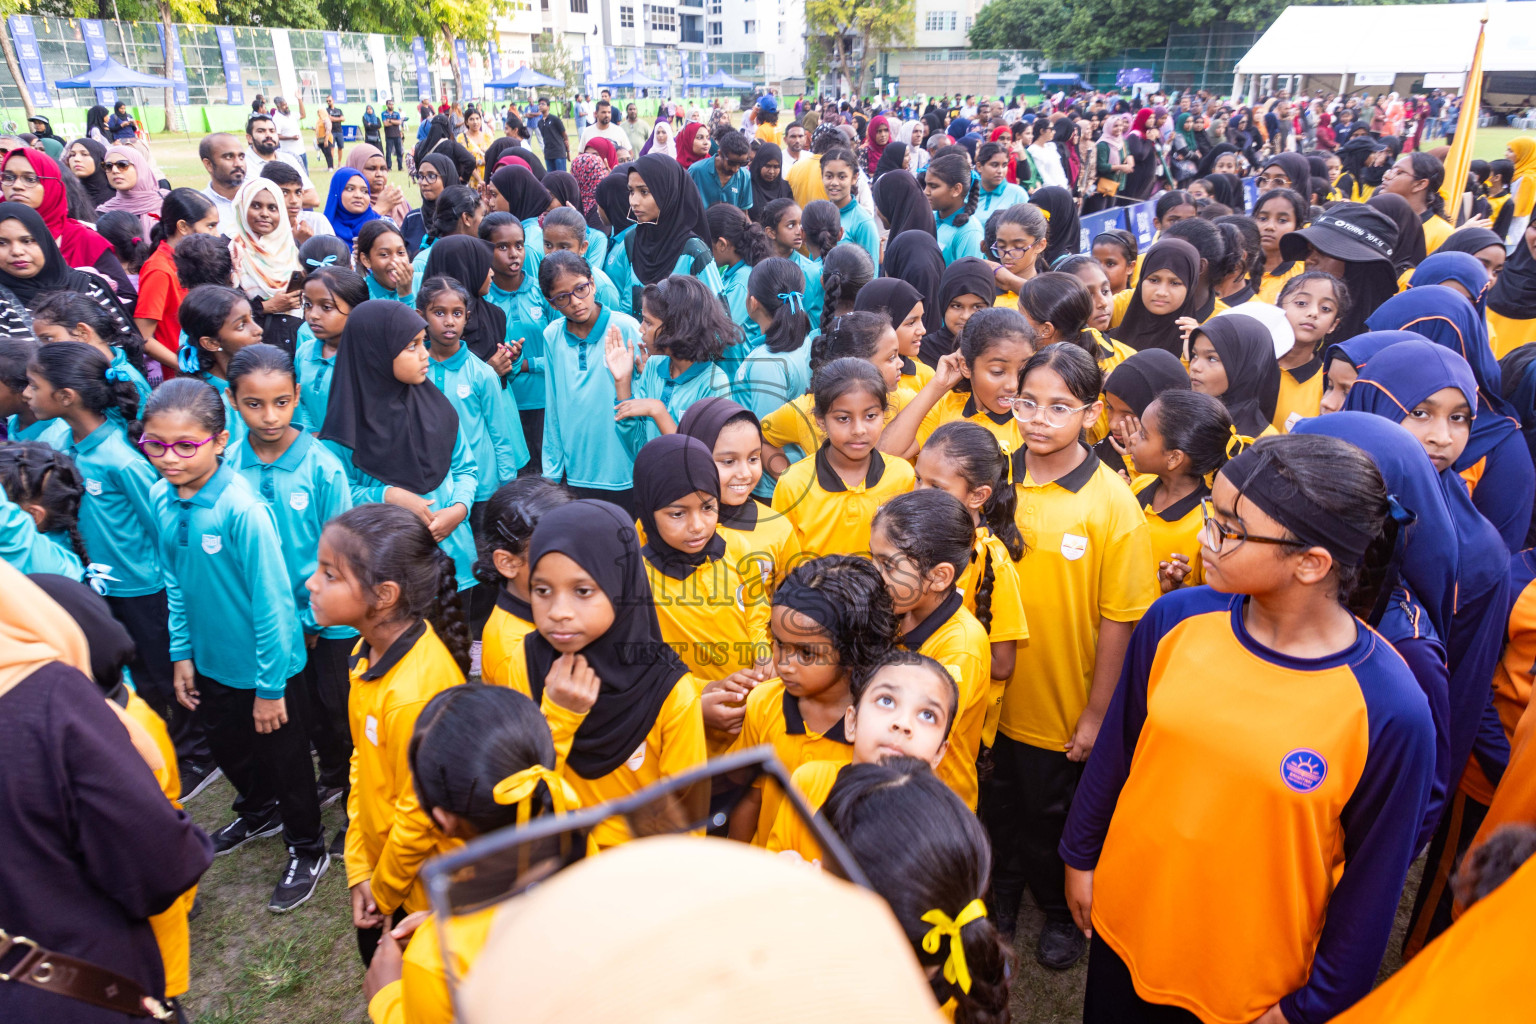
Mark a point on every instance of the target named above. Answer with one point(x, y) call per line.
point(299, 880)
point(244, 829)
point(196, 777)
point(328, 795)
point(1060, 946)
point(339, 842)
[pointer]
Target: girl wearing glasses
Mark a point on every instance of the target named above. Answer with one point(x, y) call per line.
point(1086, 580)
point(235, 636)
point(434, 172)
point(1013, 243)
point(1300, 842)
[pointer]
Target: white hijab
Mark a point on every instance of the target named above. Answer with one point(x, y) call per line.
point(669, 148)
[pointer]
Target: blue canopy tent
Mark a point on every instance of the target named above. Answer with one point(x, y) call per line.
point(1063, 80)
point(524, 78)
point(634, 78)
point(112, 75)
point(720, 80)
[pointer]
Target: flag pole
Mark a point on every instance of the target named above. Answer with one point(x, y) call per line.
point(1459, 160)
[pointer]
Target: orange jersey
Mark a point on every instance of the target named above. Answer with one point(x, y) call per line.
point(1512, 675)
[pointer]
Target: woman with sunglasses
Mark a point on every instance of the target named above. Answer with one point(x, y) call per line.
point(1280, 775)
point(139, 192)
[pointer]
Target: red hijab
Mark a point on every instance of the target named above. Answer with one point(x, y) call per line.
point(1139, 126)
point(876, 149)
point(604, 148)
point(685, 143)
point(78, 244)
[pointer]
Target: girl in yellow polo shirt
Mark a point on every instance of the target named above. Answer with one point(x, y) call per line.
point(976, 384)
point(592, 606)
point(832, 622)
point(482, 759)
point(903, 303)
point(1314, 303)
point(831, 498)
point(1278, 212)
point(1086, 269)
point(1087, 577)
point(1015, 238)
point(966, 462)
point(928, 858)
point(921, 544)
point(380, 572)
point(510, 516)
point(1180, 440)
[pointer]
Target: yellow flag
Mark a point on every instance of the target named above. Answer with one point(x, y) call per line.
point(1459, 160)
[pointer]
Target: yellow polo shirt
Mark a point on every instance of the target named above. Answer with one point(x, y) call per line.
point(814, 781)
point(805, 180)
point(1007, 611)
point(774, 718)
point(1272, 283)
point(708, 619)
point(794, 422)
point(829, 517)
point(961, 405)
point(1301, 395)
point(1175, 530)
point(952, 637)
point(510, 621)
point(1089, 558)
point(761, 544)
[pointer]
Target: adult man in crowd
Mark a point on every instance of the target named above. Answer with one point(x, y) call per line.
point(290, 138)
point(394, 131)
point(794, 145)
point(223, 158)
point(261, 136)
point(723, 178)
point(604, 128)
point(638, 133)
point(552, 131)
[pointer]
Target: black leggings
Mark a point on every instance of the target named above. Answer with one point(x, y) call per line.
point(1111, 997)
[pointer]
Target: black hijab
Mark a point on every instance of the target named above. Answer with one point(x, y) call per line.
point(892, 159)
point(659, 244)
point(402, 434)
point(901, 201)
point(467, 259)
point(670, 467)
point(1512, 296)
point(635, 667)
point(1410, 249)
point(1354, 153)
point(966, 276)
point(1247, 352)
point(704, 420)
point(95, 183)
point(1207, 165)
point(1142, 329)
point(1144, 376)
point(915, 257)
point(524, 193)
point(889, 295)
point(613, 198)
point(1296, 168)
point(1227, 189)
point(96, 118)
point(110, 646)
point(439, 137)
point(526, 155)
point(1061, 134)
point(495, 151)
point(445, 168)
point(1062, 238)
point(1470, 241)
point(765, 192)
point(562, 185)
point(1372, 176)
point(55, 276)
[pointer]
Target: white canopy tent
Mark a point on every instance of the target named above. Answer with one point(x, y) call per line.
point(1375, 44)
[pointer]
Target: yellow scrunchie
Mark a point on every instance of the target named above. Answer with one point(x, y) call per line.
point(1237, 444)
point(955, 969)
point(519, 788)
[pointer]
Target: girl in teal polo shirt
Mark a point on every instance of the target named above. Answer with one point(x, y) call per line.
point(996, 192)
point(515, 291)
point(566, 229)
point(43, 484)
point(839, 172)
point(516, 191)
point(385, 261)
point(739, 245)
point(954, 196)
point(20, 423)
point(401, 435)
point(671, 234)
point(217, 322)
point(330, 295)
point(235, 636)
point(305, 485)
point(685, 330)
point(581, 437)
point(782, 221)
point(71, 316)
point(779, 370)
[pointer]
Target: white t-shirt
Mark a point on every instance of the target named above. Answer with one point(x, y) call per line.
point(791, 159)
point(254, 163)
point(288, 125)
point(226, 208)
point(613, 133)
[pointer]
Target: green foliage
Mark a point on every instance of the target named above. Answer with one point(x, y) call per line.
point(833, 27)
point(555, 60)
point(1092, 29)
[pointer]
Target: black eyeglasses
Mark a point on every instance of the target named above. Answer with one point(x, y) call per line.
point(511, 861)
point(1214, 533)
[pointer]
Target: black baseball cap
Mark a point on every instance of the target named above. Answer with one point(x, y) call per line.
point(1352, 232)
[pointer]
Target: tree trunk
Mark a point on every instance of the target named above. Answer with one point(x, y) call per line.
point(15, 66)
point(165, 22)
point(453, 62)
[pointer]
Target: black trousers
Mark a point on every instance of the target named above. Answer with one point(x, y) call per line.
point(1432, 904)
point(329, 152)
point(1111, 996)
point(270, 772)
point(147, 620)
point(326, 683)
point(368, 938)
point(1024, 807)
point(394, 155)
point(533, 436)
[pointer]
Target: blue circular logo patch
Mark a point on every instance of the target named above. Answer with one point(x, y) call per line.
point(1303, 770)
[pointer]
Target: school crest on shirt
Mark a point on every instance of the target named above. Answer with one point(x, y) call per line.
point(298, 501)
point(536, 312)
point(212, 543)
point(463, 390)
point(93, 487)
point(1073, 547)
point(1303, 769)
point(637, 758)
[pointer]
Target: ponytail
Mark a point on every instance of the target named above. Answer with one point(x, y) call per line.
point(749, 240)
point(844, 270)
point(954, 168)
point(78, 367)
point(778, 285)
point(822, 225)
point(181, 205)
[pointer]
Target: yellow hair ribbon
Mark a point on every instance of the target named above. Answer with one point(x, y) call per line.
point(519, 789)
point(1238, 443)
point(955, 969)
point(1046, 212)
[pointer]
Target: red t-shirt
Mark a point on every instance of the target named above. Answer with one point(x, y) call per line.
point(160, 295)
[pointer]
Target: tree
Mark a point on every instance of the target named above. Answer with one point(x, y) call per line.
point(443, 22)
point(8, 8)
point(555, 60)
point(190, 12)
point(845, 25)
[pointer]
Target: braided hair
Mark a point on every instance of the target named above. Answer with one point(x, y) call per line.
point(931, 528)
point(953, 167)
point(822, 225)
point(844, 270)
point(34, 473)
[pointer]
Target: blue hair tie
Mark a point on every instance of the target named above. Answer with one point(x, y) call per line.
point(187, 360)
point(794, 300)
point(118, 373)
point(97, 576)
point(328, 261)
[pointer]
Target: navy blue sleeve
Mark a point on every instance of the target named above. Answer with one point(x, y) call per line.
point(1426, 659)
point(1380, 822)
point(1491, 746)
point(1507, 489)
point(1110, 763)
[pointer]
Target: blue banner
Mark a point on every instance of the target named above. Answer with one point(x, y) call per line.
point(1139, 222)
point(423, 75)
point(25, 38)
point(333, 65)
point(587, 77)
point(1129, 218)
point(495, 66)
point(178, 65)
point(96, 52)
point(234, 86)
point(461, 58)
